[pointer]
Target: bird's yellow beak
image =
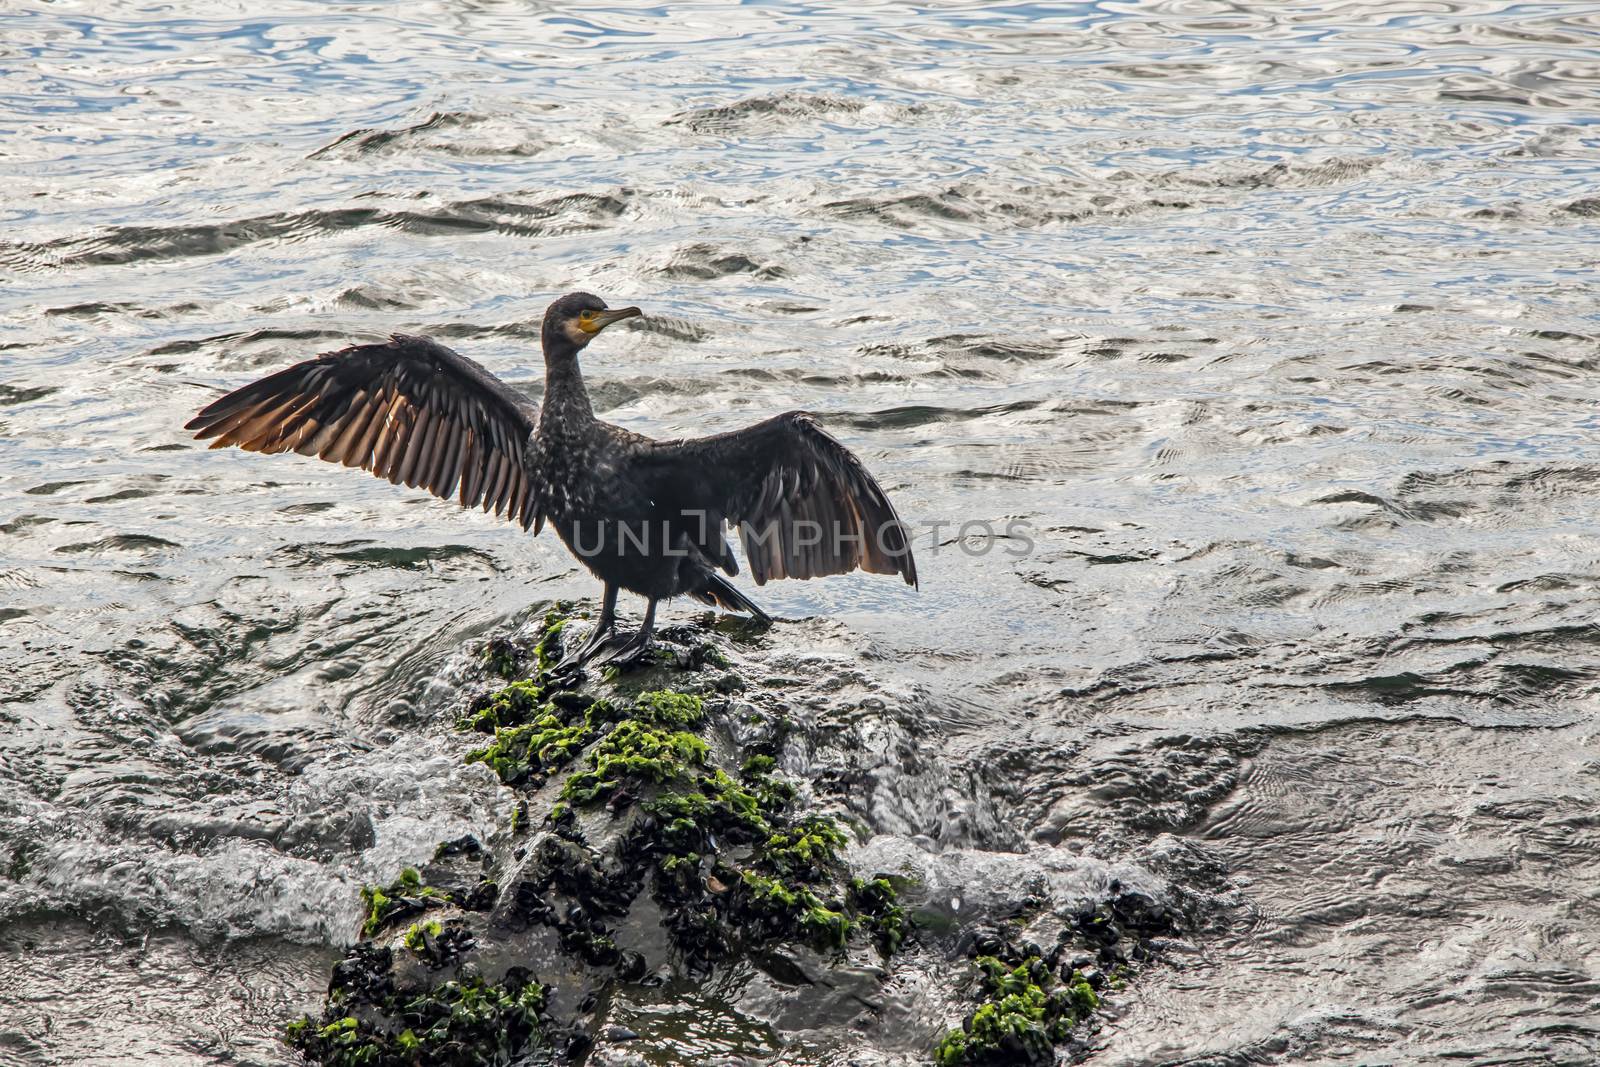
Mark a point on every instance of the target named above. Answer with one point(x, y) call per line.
point(595, 321)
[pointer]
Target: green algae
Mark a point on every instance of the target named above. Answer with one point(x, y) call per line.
point(716, 804)
point(648, 758)
point(733, 861)
point(825, 927)
point(778, 909)
point(666, 707)
point(438, 944)
point(416, 936)
point(409, 895)
point(1033, 1000)
point(549, 646)
point(636, 751)
point(522, 700)
point(1027, 1011)
point(758, 764)
point(752, 809)
point(520, 753)
point(877, 903)
point(771, 792)
point(403, 897)
point(456, 1024)
point(539, 731)
point(810, 847)
point(500, 657)
point(511, 706)
point(1083, 997)
point(786, 887)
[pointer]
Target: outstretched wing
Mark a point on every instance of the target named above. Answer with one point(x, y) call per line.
point(804, 504)
point(410, 411)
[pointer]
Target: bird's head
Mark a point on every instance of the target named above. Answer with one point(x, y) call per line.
point(574, 320)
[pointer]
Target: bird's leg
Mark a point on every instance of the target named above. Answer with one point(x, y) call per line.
point(628, 653)
point(608, 612)
point(603, 627)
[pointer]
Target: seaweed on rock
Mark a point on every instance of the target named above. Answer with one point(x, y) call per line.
point(1032, 1001)
point(655, 839)
point(438, 943)
point(1028, 1009)
point(464, 1023)
point(409, 895)
point(729, 862)
point(648, 844)
point(876, 901)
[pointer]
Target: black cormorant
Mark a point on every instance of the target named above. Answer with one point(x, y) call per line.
point(646, 516)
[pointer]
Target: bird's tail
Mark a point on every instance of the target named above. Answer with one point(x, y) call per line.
point(719, 592)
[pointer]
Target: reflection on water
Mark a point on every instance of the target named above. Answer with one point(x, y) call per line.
point(1274, 320)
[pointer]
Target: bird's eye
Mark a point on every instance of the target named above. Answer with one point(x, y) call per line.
point(586, 316)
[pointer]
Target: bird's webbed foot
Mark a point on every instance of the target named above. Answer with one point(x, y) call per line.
point(572, 663)
point(625, 651)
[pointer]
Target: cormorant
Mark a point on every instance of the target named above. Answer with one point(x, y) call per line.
point(646, 516)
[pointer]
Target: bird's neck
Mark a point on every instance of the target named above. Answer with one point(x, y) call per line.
point(565, 397)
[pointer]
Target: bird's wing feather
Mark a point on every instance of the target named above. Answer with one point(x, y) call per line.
point(411, 411)
point(804, 504)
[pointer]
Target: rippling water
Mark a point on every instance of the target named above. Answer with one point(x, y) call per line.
point(1275, 322)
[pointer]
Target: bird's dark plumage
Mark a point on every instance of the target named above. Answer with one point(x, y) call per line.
point(411, 411)
point(780, 481)
point(646, 516)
